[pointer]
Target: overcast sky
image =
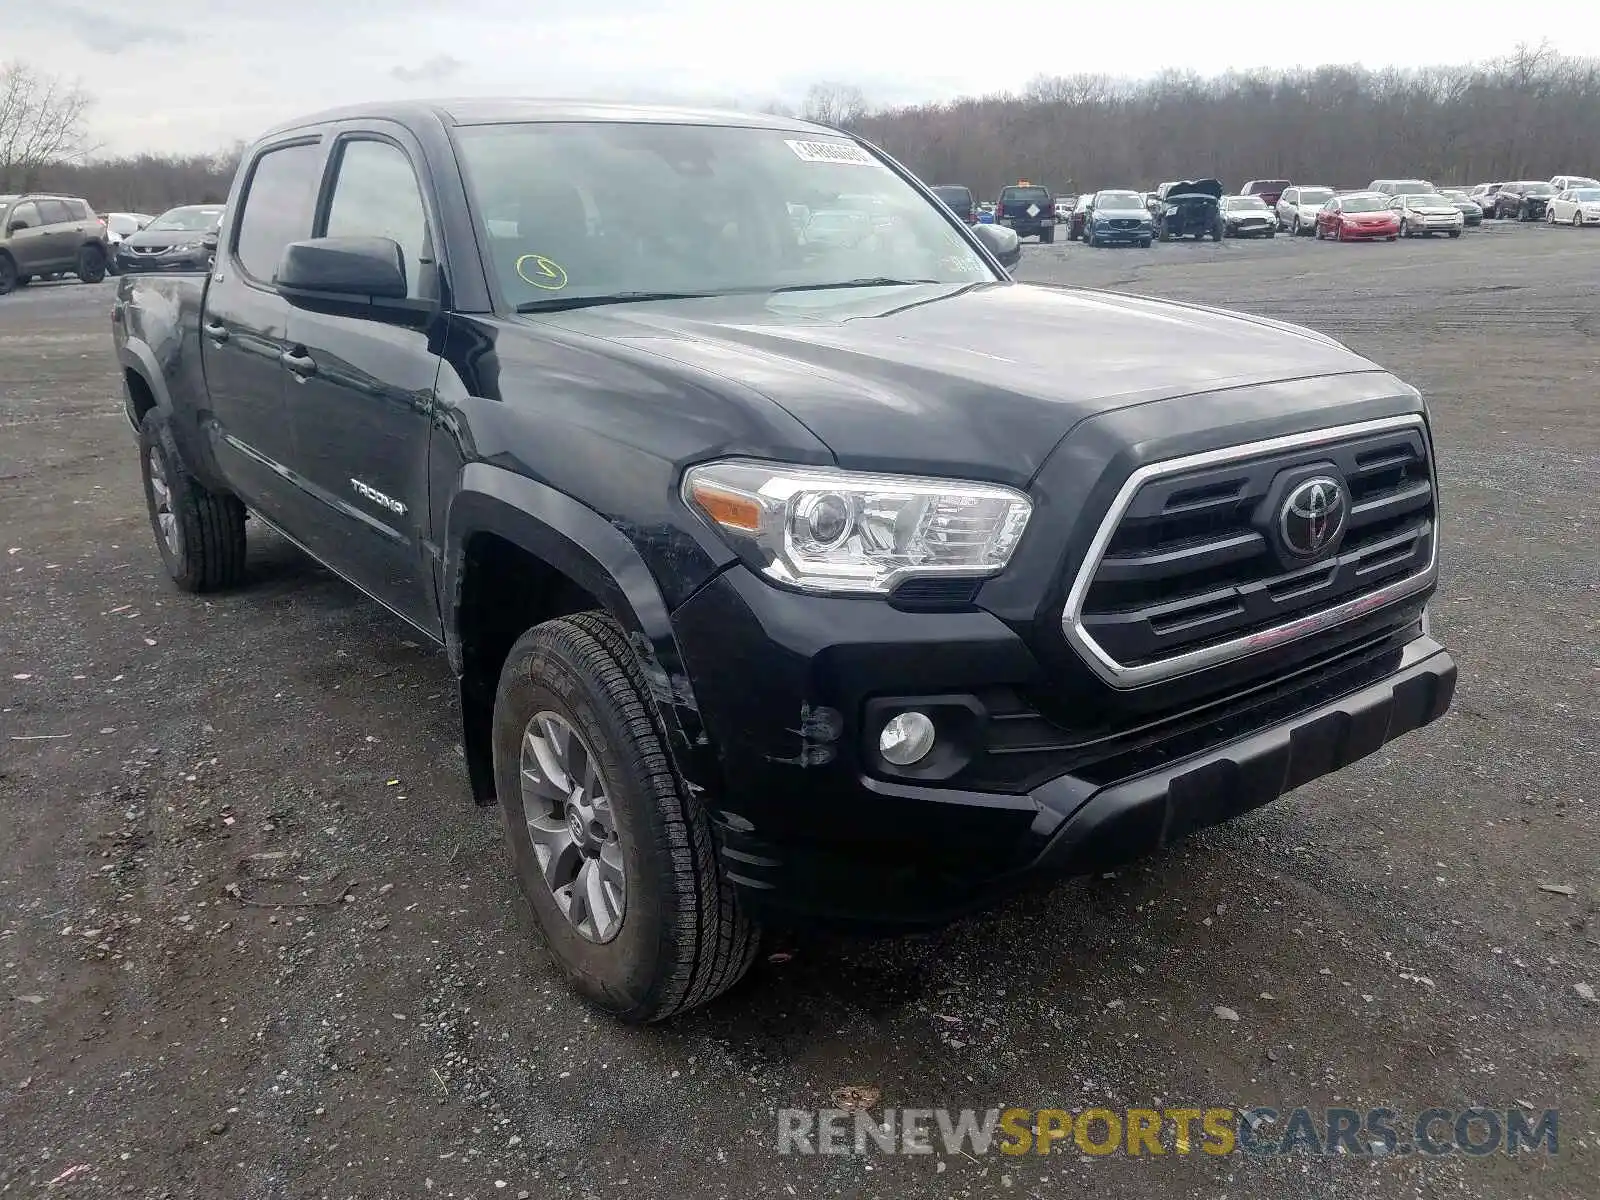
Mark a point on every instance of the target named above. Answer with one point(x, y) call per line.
point(196, 74)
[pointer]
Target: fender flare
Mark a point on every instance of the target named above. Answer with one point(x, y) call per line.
point(138, 358)
point(600, 558)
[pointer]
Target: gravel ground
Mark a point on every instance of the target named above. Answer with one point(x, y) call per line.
point(363, 1011)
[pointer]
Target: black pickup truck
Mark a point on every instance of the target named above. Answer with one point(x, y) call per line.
point(835, 579)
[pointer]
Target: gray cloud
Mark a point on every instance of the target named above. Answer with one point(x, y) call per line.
point(109, 32)
point(434, 70)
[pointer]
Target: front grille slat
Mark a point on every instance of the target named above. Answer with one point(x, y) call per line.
point(1189, 570)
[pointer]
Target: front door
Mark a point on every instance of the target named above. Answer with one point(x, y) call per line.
point(361, 395)
point(28, 240)
point(243, 331)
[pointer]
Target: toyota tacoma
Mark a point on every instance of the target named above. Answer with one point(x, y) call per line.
point(838, 581)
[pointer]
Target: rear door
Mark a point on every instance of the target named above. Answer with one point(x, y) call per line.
point(59, 235)
point(361, 390)
point(244, 326)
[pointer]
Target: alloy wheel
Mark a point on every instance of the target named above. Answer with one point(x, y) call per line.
point(570, 821)
point(161, 496)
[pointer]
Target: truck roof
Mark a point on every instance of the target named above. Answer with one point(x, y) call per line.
point(479, 111)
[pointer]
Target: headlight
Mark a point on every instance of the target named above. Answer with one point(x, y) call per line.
point(826, 530)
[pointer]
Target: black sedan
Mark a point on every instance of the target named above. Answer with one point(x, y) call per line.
point(1523, 200)
point(174, 241)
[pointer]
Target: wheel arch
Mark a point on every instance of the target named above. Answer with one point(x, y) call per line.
point(578, 556)
point(143, 385)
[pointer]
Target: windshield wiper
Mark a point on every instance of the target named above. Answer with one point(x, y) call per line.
point(566, 303)
point(875, 281)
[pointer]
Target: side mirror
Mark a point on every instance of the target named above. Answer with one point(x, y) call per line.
point(364, 268)
point(1003, 243)
point(16, 227)
point(209, 241)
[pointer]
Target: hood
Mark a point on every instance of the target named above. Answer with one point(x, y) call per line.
point(1195, 187)
point(981, 380)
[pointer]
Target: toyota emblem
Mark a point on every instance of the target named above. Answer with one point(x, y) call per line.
point(1313, 516)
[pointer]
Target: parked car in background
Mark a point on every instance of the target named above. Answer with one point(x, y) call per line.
point(1358, 217)
point(1027, 210)
point(48, 235)
point(180, 239)
point(1190, 208)
point(959, 199)
point(1575, 206)
point(1270, 190)
point(1079, 220)
point(1471, 214)
point(1402, 187)
point(1563, 183)
point(986, 213)
point(1118, 218)
point(1523, 200)
point(1483, 195)
point(1425, 214)
point(123, 224)
point(1248, 216)
point(1064, 206)
point(1298, 207)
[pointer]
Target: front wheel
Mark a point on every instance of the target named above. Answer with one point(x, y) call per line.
point(91, 264)
point(1216, 233)
point(8, 274)
point(615, 856)
point(1144, 243)
point(1455, 233)
point(200, 535)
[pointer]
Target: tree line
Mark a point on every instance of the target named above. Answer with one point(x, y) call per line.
point(1529, 115)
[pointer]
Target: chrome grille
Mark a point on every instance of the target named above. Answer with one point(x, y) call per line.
point(1185, 572)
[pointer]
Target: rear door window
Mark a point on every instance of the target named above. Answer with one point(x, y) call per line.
point(78, 208)
point(54, 212)
point(276, 208)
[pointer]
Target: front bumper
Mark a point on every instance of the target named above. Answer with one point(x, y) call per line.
point(812, 826)
point(1367, 233)
point(136, 264)
point(1127, 234)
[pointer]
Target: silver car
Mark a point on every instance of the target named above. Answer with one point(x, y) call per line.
point(1427, 213)
point(1298, 207)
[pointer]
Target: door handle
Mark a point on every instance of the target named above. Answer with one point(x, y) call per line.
point(300, 363)
point(216, 331)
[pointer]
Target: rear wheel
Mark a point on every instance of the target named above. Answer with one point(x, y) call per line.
point(200, 534)
point(91, 264)
point(1047, 237)
point(614, 854)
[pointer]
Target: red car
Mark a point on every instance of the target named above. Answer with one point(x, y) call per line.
point(1358, 217)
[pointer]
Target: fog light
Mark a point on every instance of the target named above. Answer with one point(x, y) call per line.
point(906, 739)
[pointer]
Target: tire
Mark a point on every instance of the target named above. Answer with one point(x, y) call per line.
point(200, 535)
point(1144, 243)
point(8, 274)
point(1272, 233)
point(1294, 226)
point(1455, 233)
point(1089, 240)
point(1047, 237)
point(1577, 218)
point(678, 938)
point(24, 280)
point(1216, 232)
point(1165, 234)
point(91, 264)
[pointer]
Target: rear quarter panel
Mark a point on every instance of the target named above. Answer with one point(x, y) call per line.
point(155, 327)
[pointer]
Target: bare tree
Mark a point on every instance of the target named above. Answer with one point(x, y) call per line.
point(838, 105)
point(41, 122)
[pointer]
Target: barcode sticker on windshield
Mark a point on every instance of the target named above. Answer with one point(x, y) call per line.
point(831, 152)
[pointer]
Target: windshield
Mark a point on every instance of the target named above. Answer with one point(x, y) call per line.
point(731, 210)
point(1538, 189)
point(1118, 200)
point(1586, 195)
point(1454, 196)
point(1361, 204)
point(1310, 197)
point(186, 220)
point(1234, 202)
point(1428, 200)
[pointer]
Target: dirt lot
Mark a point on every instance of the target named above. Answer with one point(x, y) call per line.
point(1382, 936)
